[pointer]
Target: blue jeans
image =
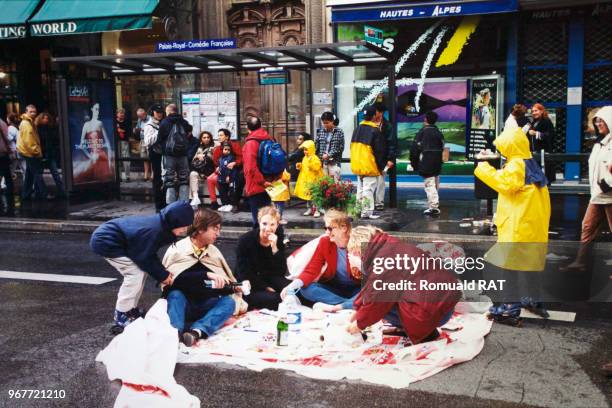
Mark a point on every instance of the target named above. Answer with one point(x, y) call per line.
point(207, 316)
point(256, 202)
point(393, 317)
point(331, 294)
point(33, 180)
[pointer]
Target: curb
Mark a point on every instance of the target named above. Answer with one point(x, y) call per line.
point(228, 233)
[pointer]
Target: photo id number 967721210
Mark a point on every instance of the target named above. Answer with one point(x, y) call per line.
point(36, 394)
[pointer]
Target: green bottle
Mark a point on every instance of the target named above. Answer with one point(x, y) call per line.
point(282, 332)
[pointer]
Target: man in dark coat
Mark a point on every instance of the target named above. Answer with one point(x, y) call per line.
point(176, 164)
point(426, 159)
point(130, 245)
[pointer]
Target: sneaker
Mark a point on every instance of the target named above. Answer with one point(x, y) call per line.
point(225, 208)
point(214, 205)
point(135, 313)
point(195, 201)
point(308, 212)
point(379, 207)
point(431, 211)
point(316, 214)
point(190, 337)
point(370, 216)
point(121, 318)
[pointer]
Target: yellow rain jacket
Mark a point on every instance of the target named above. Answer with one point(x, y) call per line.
point(366, 147)
point(523, 205)
point(310, 171)
point(28, 142)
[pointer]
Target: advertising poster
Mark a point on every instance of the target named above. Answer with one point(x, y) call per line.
point(211, 111)
point(448, 99)
point(483, 116)
point(90, 125)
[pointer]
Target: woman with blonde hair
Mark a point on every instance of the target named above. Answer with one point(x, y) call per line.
point(327, 278)
point(261, 260)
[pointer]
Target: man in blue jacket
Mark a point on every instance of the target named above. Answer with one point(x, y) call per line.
point(130, 245)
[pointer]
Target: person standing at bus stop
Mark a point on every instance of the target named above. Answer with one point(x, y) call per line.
point(151, 131)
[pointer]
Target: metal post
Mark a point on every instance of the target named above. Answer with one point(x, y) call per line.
point(286, 112)
point(393, 121)
point(65, 145)
point(310, 101)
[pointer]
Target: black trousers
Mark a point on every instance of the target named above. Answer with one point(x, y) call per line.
point(262, 299)
point(158, 193)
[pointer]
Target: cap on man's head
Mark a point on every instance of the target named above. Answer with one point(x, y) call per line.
point(157, 108)
point(369, 111)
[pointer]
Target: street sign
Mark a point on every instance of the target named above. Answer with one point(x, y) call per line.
point(274, 76)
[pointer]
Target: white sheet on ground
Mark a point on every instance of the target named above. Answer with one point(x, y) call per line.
point(320, 350)
point(143, 357)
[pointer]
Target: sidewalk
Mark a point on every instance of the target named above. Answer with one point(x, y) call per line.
point(459, 218)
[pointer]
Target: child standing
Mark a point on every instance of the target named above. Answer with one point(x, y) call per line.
point(227, 179)
point(310, 171)
point(279, 200)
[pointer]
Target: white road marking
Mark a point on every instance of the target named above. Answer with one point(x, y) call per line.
point(49, 277)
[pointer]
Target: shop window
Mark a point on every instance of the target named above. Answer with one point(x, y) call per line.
point(545, 86)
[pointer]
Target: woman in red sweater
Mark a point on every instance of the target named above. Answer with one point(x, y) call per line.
point(327, 279)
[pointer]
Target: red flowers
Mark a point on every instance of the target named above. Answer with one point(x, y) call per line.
point(329, 193)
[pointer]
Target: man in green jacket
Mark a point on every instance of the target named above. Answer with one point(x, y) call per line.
point(28, 146)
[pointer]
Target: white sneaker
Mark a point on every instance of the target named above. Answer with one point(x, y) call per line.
point(308, 212)
point(225, 208)
point(316, 214)
point(195, 201)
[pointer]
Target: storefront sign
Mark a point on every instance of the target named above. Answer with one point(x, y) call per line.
point(64, 27)
point(7, 32)
point(434, 9)
point(483, 124)
point(90, 127)
point(195, 45)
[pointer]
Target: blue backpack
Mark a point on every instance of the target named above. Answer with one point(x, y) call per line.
point(271, 158)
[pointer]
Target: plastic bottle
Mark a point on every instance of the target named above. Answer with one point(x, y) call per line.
point(291, 307)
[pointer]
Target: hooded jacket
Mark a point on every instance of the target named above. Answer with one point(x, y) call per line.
point(426, 151)
point(28, 142)
point(368, 150)
point(140, 237)
point(600, 159)
point(164, 129)
point(523, 206)
point(310, 171)
point(253, 177)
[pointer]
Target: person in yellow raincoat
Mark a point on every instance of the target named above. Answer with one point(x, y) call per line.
point(310, 171)
point(523, 207)
point(283, 194)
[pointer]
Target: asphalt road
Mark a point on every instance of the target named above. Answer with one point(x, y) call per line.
point(51, 332)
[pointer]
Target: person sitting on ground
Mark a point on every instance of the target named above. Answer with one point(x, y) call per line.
point(310, 171)
point(194, 260)
point(261, 260)
point(426, 159)
point(418, 312)
point(130, 245)
point(328, 277)
point(227, 178)
point(202, 166)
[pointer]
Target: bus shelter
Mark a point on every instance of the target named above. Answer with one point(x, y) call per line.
point(85, 120)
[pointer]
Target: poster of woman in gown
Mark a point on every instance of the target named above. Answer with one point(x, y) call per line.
point(91, 122)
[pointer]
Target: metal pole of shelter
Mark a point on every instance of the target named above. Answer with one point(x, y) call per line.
point(310, 100)
point(286, 112)
point(393, 121)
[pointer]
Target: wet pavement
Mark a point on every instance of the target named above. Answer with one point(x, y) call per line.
point(461, 213)
point(51, 332)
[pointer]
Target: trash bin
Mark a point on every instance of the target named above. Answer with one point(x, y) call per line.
point(481, 190)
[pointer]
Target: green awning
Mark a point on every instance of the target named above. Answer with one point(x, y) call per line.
point(61, 17)
point(14, 16)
